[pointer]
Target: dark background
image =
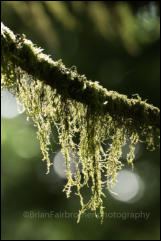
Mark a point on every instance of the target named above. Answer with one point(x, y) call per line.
point(117, 44)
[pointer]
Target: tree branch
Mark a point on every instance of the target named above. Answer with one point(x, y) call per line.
point(23, 53)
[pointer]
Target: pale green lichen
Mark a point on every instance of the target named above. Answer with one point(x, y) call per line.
point(91, 138)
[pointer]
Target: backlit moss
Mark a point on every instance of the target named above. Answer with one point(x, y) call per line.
point(93, 124)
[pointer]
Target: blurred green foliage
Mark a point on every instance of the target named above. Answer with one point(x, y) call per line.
point(115, 43)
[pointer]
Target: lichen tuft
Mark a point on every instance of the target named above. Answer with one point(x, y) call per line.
point(91, 138)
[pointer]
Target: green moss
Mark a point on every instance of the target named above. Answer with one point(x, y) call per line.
point(77, 107)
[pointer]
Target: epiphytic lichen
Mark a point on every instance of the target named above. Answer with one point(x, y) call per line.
point(91, 130)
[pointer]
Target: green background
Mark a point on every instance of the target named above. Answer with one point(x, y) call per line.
point(117, 44)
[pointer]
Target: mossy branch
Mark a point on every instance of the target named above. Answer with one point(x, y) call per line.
point(93, 124)
point(70, 84)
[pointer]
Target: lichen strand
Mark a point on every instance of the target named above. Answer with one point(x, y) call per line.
point(84, 135)
point(91, 137)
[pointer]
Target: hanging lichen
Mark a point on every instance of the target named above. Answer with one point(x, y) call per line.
point(93, 124)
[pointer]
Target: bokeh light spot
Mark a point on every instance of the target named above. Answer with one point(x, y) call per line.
point(8, 105)
point(129, 187)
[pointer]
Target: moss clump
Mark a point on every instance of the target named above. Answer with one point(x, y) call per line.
point(83, 126)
